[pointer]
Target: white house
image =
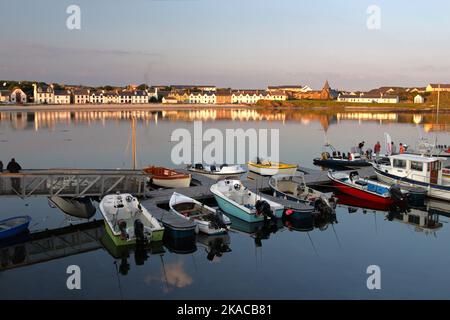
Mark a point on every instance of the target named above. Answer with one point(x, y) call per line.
point(125, 97)
point(369, 98)
point(43, 94)
point(111, 97)
point(18, 96)
point(139, 97)
point(202, 97)
point(5, 96)
point(96, 97)
point(81, 96)
point(419, 99)
point(62, 97)
point(248, 96)
point(169, 100)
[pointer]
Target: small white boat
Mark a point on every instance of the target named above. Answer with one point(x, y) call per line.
point(217, 172)
point(167, 178)
point(268, 168)
point(425, 172)
point(128, 222)
point(208, 220)
point(235, 199)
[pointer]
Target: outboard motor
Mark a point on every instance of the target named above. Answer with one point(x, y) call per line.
point(217, 220)
point(263, 208)
point(123, 229)
point(321, 206)
point(139, 231)
point(396, 193)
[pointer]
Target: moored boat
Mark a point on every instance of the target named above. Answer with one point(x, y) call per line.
point(237, 200)
point(337, 159)
point(366, 189)
point(217, 172)
point(14, 226)
point(167, 178)
point(268, 168)
point(294, 188)
point(128, 222)
point(208, 220)
point(425, 172)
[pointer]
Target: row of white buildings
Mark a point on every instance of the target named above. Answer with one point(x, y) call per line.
point(45, 94)
point(223, 97)
point(369, 98)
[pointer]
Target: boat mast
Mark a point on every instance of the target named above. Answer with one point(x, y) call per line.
point(438, 102)
point(133, 141)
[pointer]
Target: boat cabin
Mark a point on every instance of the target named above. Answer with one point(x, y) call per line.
point(418, 168)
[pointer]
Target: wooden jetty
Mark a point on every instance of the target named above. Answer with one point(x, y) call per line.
point(97, 183)
point(74, 183)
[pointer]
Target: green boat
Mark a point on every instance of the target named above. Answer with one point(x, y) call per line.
point(127, 222)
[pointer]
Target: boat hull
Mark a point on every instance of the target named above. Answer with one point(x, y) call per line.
point(433, 191)
point(341, 163)
point(271, 171)
point(362, 194)
point(156, 236)
point(171, 183)
point(240, 213)
point(16, 230)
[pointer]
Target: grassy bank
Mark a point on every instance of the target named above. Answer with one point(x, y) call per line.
point(342, 106)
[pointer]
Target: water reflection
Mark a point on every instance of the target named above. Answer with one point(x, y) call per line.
point(425, 219)
point(50, 119)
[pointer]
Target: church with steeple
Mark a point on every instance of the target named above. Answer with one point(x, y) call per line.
point(325, 94)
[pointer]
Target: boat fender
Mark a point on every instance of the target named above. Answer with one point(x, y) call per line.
point(288, 212)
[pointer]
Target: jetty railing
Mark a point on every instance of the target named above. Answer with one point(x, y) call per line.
point(72, 182)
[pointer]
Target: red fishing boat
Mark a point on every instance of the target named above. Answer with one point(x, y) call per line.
point(365, 189)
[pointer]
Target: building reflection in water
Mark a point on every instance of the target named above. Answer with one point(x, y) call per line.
point(50, 119)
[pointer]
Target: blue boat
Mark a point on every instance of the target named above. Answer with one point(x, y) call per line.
point(14, 226)
point(236, 200)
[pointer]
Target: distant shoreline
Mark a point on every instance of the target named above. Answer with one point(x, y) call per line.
point(181, 107)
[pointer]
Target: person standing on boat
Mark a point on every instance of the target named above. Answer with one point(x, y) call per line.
point(401, 149)
point(360, 147)
point(393, 148)
point(377, 149)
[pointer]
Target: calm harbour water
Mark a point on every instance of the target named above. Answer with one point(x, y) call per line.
point(327, 262)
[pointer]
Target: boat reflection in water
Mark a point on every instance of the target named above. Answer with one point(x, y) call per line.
point(215, 245)
point(82, 208)
point(318, 220)
point(424, 219)
point(257, 230)
point(122, 254)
